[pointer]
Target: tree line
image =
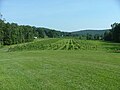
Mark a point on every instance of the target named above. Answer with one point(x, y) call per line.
point(12, 33)
point(91, 37)
point(113, 34)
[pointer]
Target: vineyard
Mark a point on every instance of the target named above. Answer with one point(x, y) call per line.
point(60, 64)
point(65, 44)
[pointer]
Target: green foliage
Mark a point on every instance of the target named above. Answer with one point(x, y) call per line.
point(14, 34)
point(37, 45)
point(2, 25)
point(66, 44)
point(116, 32)
point(113, 34)
point(108, 36)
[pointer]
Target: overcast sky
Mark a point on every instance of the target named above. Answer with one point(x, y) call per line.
point(64, 15)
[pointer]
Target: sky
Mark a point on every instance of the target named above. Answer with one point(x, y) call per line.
point(63, 15)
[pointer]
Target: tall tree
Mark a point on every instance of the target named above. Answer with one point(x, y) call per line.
point(116, 32)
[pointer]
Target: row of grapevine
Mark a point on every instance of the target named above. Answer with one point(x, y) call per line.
point(38, 45)
point(56, 44)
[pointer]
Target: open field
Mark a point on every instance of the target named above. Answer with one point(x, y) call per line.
point(60, 64)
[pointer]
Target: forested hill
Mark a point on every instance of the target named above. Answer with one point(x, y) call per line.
point(92, 32)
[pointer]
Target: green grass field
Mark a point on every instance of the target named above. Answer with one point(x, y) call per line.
point(60, 64)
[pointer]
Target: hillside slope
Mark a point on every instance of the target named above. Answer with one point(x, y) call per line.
point(92, 32)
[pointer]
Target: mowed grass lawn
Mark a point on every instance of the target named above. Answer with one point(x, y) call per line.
point(59, 70)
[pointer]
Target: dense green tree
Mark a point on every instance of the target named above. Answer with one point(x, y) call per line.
point(108, 36)
point(113, 34)
point(7, 34)
point(89, 36)
point(98, 37)
point(41, 32)
point(2, 25)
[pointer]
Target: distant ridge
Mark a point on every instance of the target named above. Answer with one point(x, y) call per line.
point(92, 32)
